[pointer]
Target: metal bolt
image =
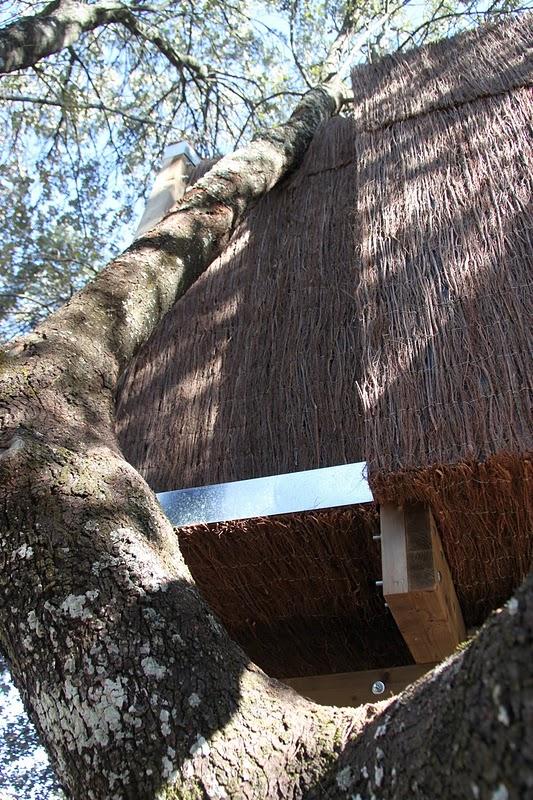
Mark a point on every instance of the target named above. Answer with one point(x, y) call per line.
point(378, 687)
point(377, 538)
point(379, 583)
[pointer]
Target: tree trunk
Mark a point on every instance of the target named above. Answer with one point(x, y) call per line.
point(135, 688)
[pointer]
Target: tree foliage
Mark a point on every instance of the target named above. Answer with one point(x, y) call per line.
point(86, 126)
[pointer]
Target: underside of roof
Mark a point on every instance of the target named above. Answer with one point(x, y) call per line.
point(374, 306)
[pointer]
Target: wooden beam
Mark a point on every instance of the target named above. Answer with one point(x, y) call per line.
point(355, 688)
point(417, 583)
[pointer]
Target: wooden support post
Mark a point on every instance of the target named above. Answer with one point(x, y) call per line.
point(169, 185)
point(356, 688)
point(417, 583)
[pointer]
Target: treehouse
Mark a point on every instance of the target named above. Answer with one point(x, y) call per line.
point(373, 307)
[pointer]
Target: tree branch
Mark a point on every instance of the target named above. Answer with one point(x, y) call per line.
point(61, 23)
point(179, 60)
point(44, 101)
point(220, 200)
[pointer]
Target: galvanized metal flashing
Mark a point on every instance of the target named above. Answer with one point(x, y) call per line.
point(310, 490)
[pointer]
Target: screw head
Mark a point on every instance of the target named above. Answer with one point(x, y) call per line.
point(378, 687)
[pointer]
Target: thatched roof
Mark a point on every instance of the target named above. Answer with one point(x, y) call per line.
point(376, 306)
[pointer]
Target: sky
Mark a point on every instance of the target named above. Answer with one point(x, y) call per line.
point(25, 772)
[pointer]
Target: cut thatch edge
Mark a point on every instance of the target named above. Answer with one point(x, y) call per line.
point(298, 591)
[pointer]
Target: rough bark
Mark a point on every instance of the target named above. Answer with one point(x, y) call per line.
point(136, 689)
point(61, 23)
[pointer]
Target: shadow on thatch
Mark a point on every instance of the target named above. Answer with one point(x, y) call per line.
point(373, 306)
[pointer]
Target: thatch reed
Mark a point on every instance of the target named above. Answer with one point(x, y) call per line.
point(298, 591)
point(376, 306)
point(444, 246)
point(253, 372)
point(484, 62)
